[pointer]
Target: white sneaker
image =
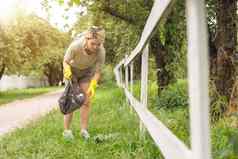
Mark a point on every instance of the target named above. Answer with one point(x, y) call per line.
point(85, 134)
point(68, 135)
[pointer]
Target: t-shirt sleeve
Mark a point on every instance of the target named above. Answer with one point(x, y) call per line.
point(70, 52)
point(100, 60)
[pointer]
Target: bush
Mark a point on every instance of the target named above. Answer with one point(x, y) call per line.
point(218, 103)
point(175, 95)
point(225, 138)
point(107, 74)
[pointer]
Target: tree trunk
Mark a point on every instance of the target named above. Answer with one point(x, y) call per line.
point(53, 74)
point(2, 70)
point(223, 70)
point(160, 54)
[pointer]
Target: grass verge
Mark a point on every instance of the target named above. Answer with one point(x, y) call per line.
point(18, 94)
point(110, 116)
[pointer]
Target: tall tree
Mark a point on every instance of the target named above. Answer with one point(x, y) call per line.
point(225, 42)
point(31, 46)
point(223, 46)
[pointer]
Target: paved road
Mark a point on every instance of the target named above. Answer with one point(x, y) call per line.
point(19, 113)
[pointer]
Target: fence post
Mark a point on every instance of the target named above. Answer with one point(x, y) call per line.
point(131, 77)
point(126, 74)
point(121, 77)
point(127, 77)
point(131, 80)
point(144, 81)
point(198, 78)
point(117, 74)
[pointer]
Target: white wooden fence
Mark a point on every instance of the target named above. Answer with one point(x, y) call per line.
point(170, 146)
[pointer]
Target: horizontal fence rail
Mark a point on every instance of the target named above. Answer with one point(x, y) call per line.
point(170, 146)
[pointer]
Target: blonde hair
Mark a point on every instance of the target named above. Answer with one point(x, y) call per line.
point(95, 32)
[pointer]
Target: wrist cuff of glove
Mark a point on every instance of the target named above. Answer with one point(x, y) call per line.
point(67, 66)
point(94, 82)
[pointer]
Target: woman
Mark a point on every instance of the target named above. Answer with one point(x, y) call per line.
point(83, 61)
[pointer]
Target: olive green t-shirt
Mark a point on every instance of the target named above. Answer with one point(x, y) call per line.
point(78, 58)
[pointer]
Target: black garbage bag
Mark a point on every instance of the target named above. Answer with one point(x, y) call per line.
point(71, 99)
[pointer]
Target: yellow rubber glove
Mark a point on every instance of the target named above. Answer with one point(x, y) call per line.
point(67, 72)
point(92, 87)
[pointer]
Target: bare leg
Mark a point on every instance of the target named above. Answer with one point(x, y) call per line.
point(85, 109)
point(67, 121)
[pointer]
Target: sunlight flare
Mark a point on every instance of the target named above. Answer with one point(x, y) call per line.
point(7, 10)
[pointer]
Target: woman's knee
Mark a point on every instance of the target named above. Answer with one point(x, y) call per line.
point(86, 103)
point(68, 116)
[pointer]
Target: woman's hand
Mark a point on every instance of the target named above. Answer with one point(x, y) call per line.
point(67, 72)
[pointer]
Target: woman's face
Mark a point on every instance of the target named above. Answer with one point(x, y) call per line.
point(93, 45)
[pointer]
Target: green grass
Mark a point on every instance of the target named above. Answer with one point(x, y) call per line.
point(18, 94)
point(109, 115)
point(224, 133)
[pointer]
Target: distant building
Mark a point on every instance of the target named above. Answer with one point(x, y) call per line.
point(14, 81)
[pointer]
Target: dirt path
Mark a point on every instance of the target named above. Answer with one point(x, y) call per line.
point(18, 113)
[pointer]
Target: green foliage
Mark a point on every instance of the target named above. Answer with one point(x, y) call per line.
point(46, 44)
point(152, 74)
point(175, 95)
point(9, 49)
point(173, 38)
point(224, 132)
point(218, 103)
point(83, 23)
point(211, 16)
point(107, 74)
point(225, 138)
point(31, 46)
point(176, 119)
